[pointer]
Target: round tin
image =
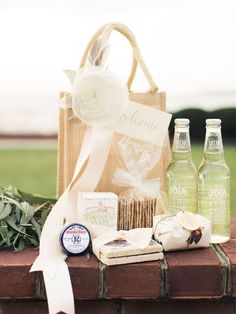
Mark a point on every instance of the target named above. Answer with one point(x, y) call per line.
point(75, 239)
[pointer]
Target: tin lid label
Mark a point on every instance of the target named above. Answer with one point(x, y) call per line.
point(75, 239)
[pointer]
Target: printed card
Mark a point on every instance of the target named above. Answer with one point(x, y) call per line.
point(98, 211)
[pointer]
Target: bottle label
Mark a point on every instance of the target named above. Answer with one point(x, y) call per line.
point(214, 203)
point(181, 141)
point(217, 193)
point(177, 191)
point(213, 142)
point(214, 145)
point(182, 145)
point(182, 198)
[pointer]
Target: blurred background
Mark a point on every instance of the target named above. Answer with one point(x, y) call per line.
point(189, 47)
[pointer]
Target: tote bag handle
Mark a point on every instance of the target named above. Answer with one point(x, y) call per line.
point(104, 32)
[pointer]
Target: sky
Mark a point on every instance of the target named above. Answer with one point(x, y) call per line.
point(189, 47)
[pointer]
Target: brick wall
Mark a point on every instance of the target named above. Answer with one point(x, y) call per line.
point(197, 281)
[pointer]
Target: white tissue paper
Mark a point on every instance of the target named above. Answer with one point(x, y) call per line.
point(184, 230)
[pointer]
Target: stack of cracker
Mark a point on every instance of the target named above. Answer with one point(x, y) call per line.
point(138, 213)
point(121, 252)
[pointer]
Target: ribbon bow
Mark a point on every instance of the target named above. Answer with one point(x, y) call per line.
point(140, 237)
point(148, 187)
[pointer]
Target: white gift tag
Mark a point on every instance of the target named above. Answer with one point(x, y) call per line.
point(144, 123)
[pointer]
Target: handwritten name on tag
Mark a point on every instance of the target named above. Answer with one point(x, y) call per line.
point(143, 123)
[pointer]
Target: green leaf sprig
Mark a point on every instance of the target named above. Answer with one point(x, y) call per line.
point(22, 216)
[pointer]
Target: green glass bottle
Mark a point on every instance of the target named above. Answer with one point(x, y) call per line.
point(214, 183)
point(181, 172)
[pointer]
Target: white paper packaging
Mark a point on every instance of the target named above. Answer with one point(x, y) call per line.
point(181, 231)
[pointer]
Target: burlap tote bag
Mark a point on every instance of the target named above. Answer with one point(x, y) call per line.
point(71, 133)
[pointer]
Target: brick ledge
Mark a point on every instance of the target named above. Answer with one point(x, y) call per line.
point(222, 306)
point(189, 276)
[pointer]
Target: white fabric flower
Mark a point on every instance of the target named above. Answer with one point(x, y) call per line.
point(99, 97)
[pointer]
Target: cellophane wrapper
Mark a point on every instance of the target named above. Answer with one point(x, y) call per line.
point(142, 197)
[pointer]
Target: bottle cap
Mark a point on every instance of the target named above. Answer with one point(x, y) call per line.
point(213, 121)
point(182, 121)
point(75, 238)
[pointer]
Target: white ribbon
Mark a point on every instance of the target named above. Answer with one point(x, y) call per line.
point(140, 237)
point(51, 260)
point(147, 187)
point(98, 97)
